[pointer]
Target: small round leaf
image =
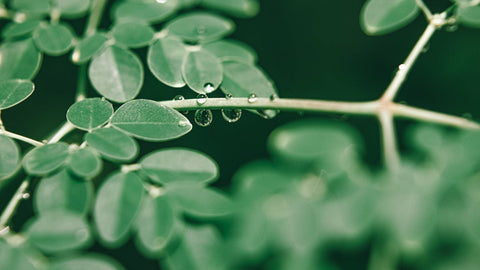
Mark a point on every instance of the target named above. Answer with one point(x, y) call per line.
point(45, 159)
point(53, 39)
point(85, 163)
point(20, 60)
point(231, 50)
point(13, 92)
point(83, 262)
point(201, 202)
point(112, 144)
point(88, 47)
point(90, 113)
point(242, 80)
point(384, 16)
point(132, 34)
point(9, 157)
point(165, 59)
point(146, 11)
point(14, 30)
point(202, 71)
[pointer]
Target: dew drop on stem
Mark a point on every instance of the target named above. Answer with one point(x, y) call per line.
point(178, 98)
point(161, 1)
point(231, 115)
point(228, 96)
point(203, 117)
point(208, 87)
point(273, 97)
point(26, 196)
point(252, 98)
point(201, 99)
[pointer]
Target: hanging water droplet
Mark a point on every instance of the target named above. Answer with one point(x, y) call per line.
point(228, 96)
point(203, 117)
point(252, 98)
point(208, 87)
point(426, 48)
point(183, 123)
point(402, 67)
point(231, 115)
point(273, 97)
point(201, 99)
point(178, 97)
point(201, 29)
point(25, 196)
point(268, 114)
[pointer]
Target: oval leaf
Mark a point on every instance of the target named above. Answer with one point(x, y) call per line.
point(9, 157)
point(88, 47)
point(146, 11)
point(165, 59)
point(231, 50)
point(59, 231)
point(132, 34)
point(179, 165)
point(116, 74)
point(112, 144)
point(201, 202)
point(53, 39)
point(150, 121)
point(13, 92)
point(34, 6)
point(72, 8)
point(46, 158)
point(14, 30)
point(14, 257)
point(20, 60)
point(64, 192)
point(200, 27)
point(83, 262)
point(239, 8)
point(154, 225)
point(241, 80)
point(469, 15)
point(202, 71)
point(90, 113)
point(384, 16)
point(118, 201)
point(85, 163)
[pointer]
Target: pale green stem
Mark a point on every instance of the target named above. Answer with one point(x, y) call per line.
point(2, 127)
point(426, 11)
point(390, 151)
point(61, 132)
point(13, 204)
point(20, 138)
point(95, 17)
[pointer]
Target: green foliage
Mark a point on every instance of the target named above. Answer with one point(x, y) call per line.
point(53, 39)
point(9, 157)
point(165, 60)
point(13, 92)
point(20, 60)
point(112, 144)
point(89, 114)
point(45, 159)
point(384, 16)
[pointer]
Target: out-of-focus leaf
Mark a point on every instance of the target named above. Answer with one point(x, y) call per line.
point(242, 80)
point(239, 8)
point(200, 27)
point(14, 257)
point(9, 157)
point(150, 121)
point(202, 71)
point(90, 113)
point(150, 11)
point(469, 15)
point(231, 50)
point(53, 39)
point(85, 163)
point(201, 202)
point(132, 34)
point(62, 191)
point(118, 201)
point(85, 262)
point(20, 60)
point(165, 59)
point(384, 16)
point(72, 8)
point(47, 158)
point(112, 144)
point(179, 165)
point(116, 74)
point(13, 92)
point(59, 231)
point(14, 30)
point(34, 6)
point(88, 47)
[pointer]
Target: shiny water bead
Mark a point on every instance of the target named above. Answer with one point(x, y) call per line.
point(231, 115)
point(203, 117)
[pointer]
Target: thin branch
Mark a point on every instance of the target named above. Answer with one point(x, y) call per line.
point(61, 132)
point(81, 84)
point(20, 138)
point(2, 127)
point(95, 16)
point(13, 204)
point(426, 11)
point(390, 152)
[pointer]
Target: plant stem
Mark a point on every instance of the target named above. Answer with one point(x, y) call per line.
point(390, 152)
point(95, 16)
point(424, 9)
point(20, 137)
point(13, 204)
point(81, 84)
point(61, 132)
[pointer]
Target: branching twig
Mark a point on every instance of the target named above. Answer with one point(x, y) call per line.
point(390, 151)
point(13, 204)
point(20, 138)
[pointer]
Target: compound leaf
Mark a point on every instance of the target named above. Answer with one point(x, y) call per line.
point(132, 34)
point(150, 121)
point(45, 159)
point(9, 157)
point(83, 262)
point(239, 8)
point(241, 80)
point(201, 202)
point(149, 11)
point(202, 71)
point(88, 47)
point(165, 59)
point(118, 201)
point(179, 165)
point(90, 113)
point(53, 39)
point(13, 92)
point(200, 27)
point(112, 144)
point(384, 16)
point(85, 163)
point(62, 191)
point(116, 74)
point(20, 60)
point(231, 50)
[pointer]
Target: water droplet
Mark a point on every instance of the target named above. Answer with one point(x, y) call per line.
point(228, 96)
point(402, 67)
point(201, 29)
point(203, 117)
point(178, 97)
point(252, 98)
point(162, 1)
point(268, 114)
point(231, 115)
point(208, 87)
point(201, 99)
point(426, 48)
point(5, 231)
point(25, 196)
point(273, 97)
point(183, 123)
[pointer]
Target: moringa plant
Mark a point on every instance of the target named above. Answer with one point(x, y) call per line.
point(94, 189)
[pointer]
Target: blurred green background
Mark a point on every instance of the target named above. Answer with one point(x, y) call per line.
point(311, 49)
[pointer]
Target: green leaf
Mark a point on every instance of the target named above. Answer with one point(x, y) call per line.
point(188, 3)
point(112, 144)
point(45, 159)
point(384, 16)
point(231, 50)
point(88, 47)
point(118, 201)
point(132, 34)
point(201, 249)
point(469, 15)
point(202, 71)
point(241, 80)
point(200, 27)
point(201, 202)
point(9, 157)
point(165, 59)
point(150, 121)
point(20, 60)
point(15, 257)
point(149, 11)
point(53, 39)
point(116, 74)
point(154, 225)
point(59, 231)
point(15, 30)
point(62, 191)
point(239, 8)
point(90, 113)
point(13, 92)
point(85, 163)
point(84, 262)
point(34, 6)
point(72, 8)
point(179, 165)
